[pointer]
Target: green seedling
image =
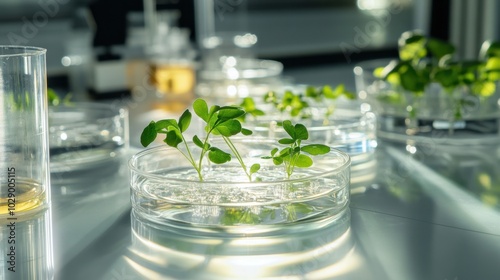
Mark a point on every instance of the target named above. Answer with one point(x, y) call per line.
point(221, 121)
point(295, 155)
point(296, 104)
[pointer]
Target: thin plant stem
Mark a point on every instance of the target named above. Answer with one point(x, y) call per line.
point(293, 159)
point(237, 155)
point(203, 150)
point(191, 159)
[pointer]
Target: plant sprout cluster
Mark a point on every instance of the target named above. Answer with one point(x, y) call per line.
point(55, 100)
point(296, 104)
point(225, 122)
point(426, 60)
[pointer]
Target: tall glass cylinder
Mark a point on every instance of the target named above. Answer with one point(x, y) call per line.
point(24, 154)
point(26, 248)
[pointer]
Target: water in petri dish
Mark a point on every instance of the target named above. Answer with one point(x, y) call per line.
point(211, 204)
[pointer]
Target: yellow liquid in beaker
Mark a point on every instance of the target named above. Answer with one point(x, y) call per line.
point(173, 79)
point(26, 197)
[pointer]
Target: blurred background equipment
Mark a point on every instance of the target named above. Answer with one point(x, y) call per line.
point(98, 46)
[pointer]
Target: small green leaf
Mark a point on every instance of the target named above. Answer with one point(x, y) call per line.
point(301, 132)
point(493, 64)
point(285, 152)
point(257, 113)
point(184, 121)
point(277, 160)
point(228, 112)
point(316, 149)
point(229, 128)
point(312, 92)
point(350, 95)
point(149, 134)
point(338, 90)
point(274, 151)
point(440, 48)
point(411, 37)
point(493, 75)
point(295, 112)
point(246, 132)
point(303, 161)
point(214, 109)
point(286, 141)
point(254, 168)
point(270, 97)
point(200, 108)
point(485, 89)
point(446, 77)
point(210, 124)
point(248, 104)
point(287, 125)
point(214, 132)
point(329, 93)
point(379, 72)
point(218, 156)
point(411, 46)
point(467, 78)
point(165, 124)
point(173, 138)
point(197, 141)
point(410, 80)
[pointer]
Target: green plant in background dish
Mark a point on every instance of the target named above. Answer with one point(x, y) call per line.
point(55, 100)
point(297, 104)
point(425, 60)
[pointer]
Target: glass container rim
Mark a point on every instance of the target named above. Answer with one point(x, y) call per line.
point(133, 167)
point(19, 50)
point(90, 105)
point(263, 68)
point(318, 128)
point(354, 119)
point(91, 110)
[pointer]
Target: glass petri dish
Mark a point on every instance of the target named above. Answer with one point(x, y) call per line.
point(85, 136)
point(166, 190)
point(437, 116)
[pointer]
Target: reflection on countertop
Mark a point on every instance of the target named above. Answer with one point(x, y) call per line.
point(85, 208)
point(160, 253)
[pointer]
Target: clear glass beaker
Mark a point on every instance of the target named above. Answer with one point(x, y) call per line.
point(24, 149)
